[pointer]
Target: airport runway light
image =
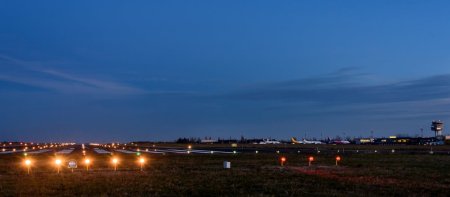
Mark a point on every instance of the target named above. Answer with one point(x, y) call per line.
point(87, 162)
point(28, 165)
point(58, 163)
point(189, 147)
point(234, 152)
point(310, 159)
point(256, 152)
point(115, 161)
point(282, 160)
point(338, 158)
point(141, 162)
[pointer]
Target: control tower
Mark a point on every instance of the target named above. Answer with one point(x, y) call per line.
point(437, 127)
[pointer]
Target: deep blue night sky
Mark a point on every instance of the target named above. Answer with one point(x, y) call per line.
point(159, 70)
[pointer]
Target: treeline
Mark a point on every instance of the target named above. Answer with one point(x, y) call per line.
point(188, 140)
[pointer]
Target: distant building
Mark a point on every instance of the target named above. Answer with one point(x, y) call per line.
point(447, 140)
point(364, 140)
point(406, 141)
point(208, 141)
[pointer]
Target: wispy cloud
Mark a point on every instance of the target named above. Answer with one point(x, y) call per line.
point(348, 89)
point(49, 78)
point(347, 92)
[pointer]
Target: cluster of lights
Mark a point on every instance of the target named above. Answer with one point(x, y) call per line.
point(87, 162)
point(27, 146)
point(310, 160)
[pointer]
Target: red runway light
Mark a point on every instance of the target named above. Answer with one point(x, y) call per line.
point(310, 159)
point(338, 158)
point(282, 160)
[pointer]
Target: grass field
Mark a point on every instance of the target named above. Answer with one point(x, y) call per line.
point(251, 175)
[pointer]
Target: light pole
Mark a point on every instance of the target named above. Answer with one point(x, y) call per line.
point(115, 161)
point(87, 162)
point(310, 159)
point(142, 161)
point(338, 158)
point(28, 165)
point(58, 164)
point(282, 160)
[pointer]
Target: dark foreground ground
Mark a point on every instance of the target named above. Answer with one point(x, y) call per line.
point(359, 174)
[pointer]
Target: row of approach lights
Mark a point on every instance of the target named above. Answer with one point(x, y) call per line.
point(32, 148)
point(310, 160)
point(31, 143)
point(87, 162)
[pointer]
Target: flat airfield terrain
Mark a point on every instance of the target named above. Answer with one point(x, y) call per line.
point(170, 170)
